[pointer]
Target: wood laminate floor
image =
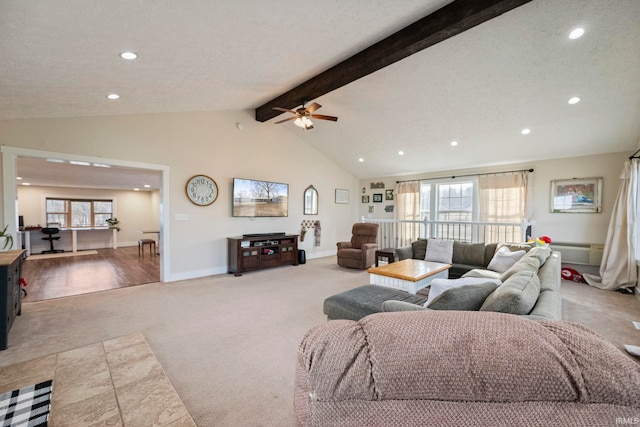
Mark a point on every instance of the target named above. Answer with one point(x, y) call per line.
point(74, 275)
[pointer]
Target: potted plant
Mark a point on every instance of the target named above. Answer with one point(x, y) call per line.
point(8, 239)
point(113, 223)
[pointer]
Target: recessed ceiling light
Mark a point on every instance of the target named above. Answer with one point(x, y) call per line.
point(400, 153)
point(574, 100)
point(113, 96)
point(75, 162)
point(454, 143)
point(576, 33)
point(128, 55)
point(55, 160)
point(525, 131)
point(136, 189)
point(18, 178)
point(26, 183)
point(147, 186)
point(101, 165)
point(361, 159)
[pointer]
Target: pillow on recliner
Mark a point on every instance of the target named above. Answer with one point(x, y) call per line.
point(467, 297)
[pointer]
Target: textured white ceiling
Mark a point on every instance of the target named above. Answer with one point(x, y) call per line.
point(60, 59)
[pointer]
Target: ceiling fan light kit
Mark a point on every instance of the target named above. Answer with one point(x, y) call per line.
point(302, 117)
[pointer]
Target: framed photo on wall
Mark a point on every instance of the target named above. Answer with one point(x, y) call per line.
point(342, 196)
point(377, 198)
point(577, 195)
point(365, 199)
point(388, 194)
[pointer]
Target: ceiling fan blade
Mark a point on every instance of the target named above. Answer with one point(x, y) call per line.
point(284, 109)
point(322, 117)
point(286, 120)
point(313, 107)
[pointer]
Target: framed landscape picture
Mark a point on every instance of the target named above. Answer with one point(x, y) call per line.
point(577, 195)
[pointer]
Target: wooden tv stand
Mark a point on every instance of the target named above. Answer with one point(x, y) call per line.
point(264, 251)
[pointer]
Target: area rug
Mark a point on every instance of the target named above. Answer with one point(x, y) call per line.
point(61, 255)
point(26, 407)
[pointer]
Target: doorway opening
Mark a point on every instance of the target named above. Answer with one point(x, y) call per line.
point(67, 176)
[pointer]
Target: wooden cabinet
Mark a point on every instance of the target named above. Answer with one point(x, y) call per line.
point(10, 296)
point(255, 252)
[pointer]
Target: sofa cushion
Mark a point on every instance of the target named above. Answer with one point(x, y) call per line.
point(479, 272)
point(419, 248)
point(439, 286)
point(469, 253)
point(393, 305)
point(517, 295)
point(524, 264)
point(504, 259)
point(467, 297)
point(540, 253)
point(356, 303)
point(439, 251)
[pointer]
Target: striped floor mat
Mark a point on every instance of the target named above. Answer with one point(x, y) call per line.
point(26, 407)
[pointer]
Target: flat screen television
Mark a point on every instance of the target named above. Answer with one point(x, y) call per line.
point(253, 198)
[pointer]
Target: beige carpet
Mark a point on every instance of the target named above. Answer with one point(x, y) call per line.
point(61, 255)
point(228, 344)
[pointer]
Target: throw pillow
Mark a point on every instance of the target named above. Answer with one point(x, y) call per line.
point(439, 286)
point(439, 251)
point(504, 259)
point(467, 297)
point(518, 295)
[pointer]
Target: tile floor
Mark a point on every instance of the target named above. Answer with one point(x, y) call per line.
point(113, 383)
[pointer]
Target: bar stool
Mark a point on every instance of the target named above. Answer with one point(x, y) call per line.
point(143, 242)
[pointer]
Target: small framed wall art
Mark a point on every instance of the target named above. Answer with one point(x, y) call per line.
point(577, 195)
point(388, 194)
point(365, 199)
point(342, 196)
point(377, 198)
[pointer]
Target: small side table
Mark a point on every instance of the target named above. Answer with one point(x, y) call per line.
point(388, 253)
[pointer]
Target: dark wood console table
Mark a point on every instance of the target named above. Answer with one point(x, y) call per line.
point(264, 251)
point(10, 296)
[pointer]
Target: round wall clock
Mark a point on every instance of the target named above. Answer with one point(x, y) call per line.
point(202, 190)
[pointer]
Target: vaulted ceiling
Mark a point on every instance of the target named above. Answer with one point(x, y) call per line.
point(479, 88)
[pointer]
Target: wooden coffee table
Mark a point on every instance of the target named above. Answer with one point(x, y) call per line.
point(409, 275)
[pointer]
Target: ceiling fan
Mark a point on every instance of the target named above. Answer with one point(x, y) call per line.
point(303, 116)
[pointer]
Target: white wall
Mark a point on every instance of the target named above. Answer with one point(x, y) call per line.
point(136, 210)
point(561, 227)
point(206, 143)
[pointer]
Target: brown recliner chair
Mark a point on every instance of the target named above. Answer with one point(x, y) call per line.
point(360, 252)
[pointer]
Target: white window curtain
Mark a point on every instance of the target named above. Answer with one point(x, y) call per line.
point(407, 209)
point(503, 198)
point(621, 249)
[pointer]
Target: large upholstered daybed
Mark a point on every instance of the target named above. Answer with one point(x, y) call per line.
point(453, 368)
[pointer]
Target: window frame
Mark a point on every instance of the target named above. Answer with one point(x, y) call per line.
point(68, 212)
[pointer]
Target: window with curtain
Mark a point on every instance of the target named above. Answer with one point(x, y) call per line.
point(408, 209)
point(503, 198)
point(499, 198)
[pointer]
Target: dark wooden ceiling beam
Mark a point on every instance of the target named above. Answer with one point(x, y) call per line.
point(452, 19)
